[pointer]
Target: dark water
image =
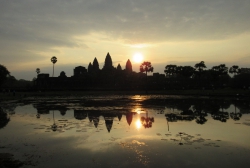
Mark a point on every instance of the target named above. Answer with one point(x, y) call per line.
point(122, 131)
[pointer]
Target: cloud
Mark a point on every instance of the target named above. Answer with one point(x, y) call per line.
point(33, 30)
point(56, 22)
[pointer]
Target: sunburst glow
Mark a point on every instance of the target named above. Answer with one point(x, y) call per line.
point(138, 57)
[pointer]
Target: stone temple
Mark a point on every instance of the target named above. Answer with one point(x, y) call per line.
point(94, 78)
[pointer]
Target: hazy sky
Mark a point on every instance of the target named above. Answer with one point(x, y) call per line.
point(181, 32)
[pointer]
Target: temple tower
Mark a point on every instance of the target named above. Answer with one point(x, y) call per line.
point(128, 67)
point(108, 65)
point(95, 65)
point(90, 68)
point(119, 68)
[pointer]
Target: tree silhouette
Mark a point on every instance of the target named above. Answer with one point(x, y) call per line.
point(37, 70)
point(199, 67)
point(170, 70)
point(186, 71)
point(3, 74)
point(234, 70)
point(241, 80)
point(218, 72)
point(220, 69)
point(4, 118)
point(146, 67)
point(53, 60)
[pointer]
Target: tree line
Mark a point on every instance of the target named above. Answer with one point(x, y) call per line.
point(199, 69)
point(176, 77)
point(200, 77)
point(10, 82)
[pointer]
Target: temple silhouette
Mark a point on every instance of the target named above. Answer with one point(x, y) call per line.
point(109, 77)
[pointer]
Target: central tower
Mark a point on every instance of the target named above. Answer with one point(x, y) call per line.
point(108, 65)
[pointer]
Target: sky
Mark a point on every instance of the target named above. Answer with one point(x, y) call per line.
point(180, 32)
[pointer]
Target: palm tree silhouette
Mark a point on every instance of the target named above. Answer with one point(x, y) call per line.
point(37, 70)
point(53, 60)
point(146, 67)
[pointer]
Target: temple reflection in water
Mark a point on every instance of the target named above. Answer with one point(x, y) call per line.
point(180, 110)
point(113, 110)
point(129, 130)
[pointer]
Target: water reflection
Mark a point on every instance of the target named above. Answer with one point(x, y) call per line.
point(54, 126)
point(94, 117)
point(235, 115)
point(138, 124)
point(6, 111)
point(109, 120)
point(134, 132)
point(147, 121)
point(181, 110)
point(63, 111)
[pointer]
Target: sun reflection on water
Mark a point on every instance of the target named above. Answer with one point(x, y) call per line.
point(138, 110)
point(138, 124)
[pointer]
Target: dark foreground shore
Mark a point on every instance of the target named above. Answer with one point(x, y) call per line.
point(7, 160)
point(208, 93)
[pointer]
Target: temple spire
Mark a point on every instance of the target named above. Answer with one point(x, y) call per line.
point(95, 65)
point(119, 68)
point(108, 65)
point(90, 68)
point(128, 66)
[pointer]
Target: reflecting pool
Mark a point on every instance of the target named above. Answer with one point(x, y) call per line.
point(122, 131)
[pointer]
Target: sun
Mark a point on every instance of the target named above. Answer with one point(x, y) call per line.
point(138, 57)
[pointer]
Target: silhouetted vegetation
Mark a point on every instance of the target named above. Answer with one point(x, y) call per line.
point(37, 70)
point(146, 67)
point(53, 60)
point(4, 118)
point(11, 84)
point(187, 77)
point(3, 74)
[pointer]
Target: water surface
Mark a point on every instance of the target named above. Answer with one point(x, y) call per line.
point(122, 131)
